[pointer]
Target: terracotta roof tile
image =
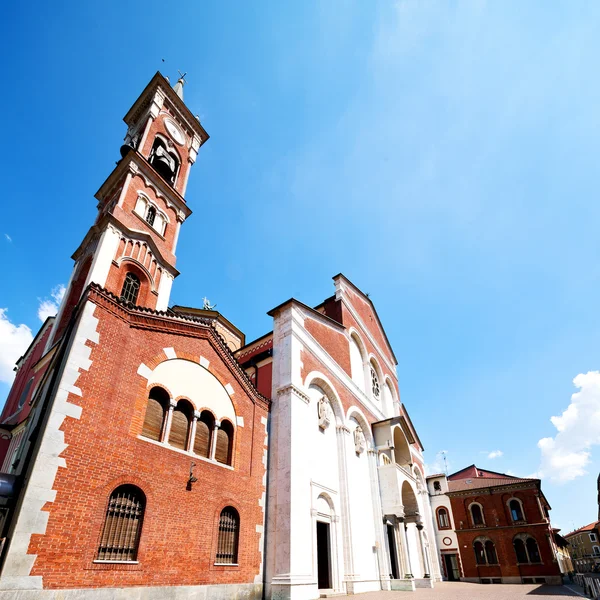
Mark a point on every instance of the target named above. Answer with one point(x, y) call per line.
point(475, 483)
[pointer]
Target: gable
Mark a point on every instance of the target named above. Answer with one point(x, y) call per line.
point(363, 312)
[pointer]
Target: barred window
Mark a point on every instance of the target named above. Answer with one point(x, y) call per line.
point(123, 524)
point(151, 215)
point(229, 531)
point(131, 288)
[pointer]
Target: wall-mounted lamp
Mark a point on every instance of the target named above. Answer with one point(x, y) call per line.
point(192, 479)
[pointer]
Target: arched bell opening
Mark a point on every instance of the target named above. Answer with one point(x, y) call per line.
point(165, 163)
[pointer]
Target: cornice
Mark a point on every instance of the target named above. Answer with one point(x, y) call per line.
point(167, 322)
point(136, 164)
point(109, 220)
point(489, 491)
point(144, 100)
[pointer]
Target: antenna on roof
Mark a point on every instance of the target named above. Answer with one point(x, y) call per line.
point(445, 462)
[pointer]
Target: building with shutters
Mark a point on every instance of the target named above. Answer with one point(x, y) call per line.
point(494, 528)
point(148, 446)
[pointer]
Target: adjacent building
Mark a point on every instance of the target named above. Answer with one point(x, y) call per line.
point(493, 528)
point(148, 446)
point(585, 547)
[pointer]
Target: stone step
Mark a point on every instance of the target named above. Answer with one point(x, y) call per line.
point(330, 594)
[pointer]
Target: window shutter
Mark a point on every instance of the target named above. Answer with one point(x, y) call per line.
point(202, 441)
point(153, 420)
point(179, 429)
point(222, 450)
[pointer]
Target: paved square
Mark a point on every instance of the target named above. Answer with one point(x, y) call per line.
point(473, 591)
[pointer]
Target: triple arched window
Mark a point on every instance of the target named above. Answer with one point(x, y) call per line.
point(485, 552)
point(179, 426)
point(164, 161)
point(443, 518)
point(122, 525)
point(131, 288)
point(526, 549)
point(477, 517)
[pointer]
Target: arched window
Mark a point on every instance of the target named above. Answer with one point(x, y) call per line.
point(490, 553)
point(180, 425)
point(357, 367)
point(122, 525)
point(156, 410)
point(437, 486)
point(479, 553)
point(520, 551)
point(516, 510)
point(25, 393)
point(526, 549)
point(224, 443)
point(443, 520)
point(151, 215)
point(476, 514)
point(532, 550)
point(164, 162)
point(204, 429)
point(131, 288)
point(229, 531)
point(375, 386)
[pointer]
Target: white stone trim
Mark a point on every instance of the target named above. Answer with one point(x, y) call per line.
point(229, 389)
point(170, 353)
point(240, 421)
point(204, 362)
point(144, 371)
point(31, 519)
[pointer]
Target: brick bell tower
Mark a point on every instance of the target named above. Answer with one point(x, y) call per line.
point(130, 249)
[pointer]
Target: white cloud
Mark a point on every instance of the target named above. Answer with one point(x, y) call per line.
point(565, 456)
point(8, 237)
point(495, 454)
point(14, 340)
point(438, 465)
point(47, 307)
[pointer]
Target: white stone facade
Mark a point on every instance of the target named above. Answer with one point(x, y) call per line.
point(335, 487)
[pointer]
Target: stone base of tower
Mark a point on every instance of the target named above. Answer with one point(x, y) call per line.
point(245, 591)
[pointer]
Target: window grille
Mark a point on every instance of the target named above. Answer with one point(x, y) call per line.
point(131, 288)
point(375, 383)
point(151, 215)
point(122, 526)
point(229, 527)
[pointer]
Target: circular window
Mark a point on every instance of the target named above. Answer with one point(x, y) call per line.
point(447, 541)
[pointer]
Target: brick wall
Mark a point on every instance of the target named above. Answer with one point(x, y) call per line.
point(179, 532)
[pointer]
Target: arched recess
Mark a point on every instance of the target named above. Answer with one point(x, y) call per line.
point(355, 413)
point(390, 401)
point(187, 379)
point(401, 448)
point(409, 500)
point(318, 385)
point(358, 361)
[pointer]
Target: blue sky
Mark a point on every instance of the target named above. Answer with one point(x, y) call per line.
point(443, 155)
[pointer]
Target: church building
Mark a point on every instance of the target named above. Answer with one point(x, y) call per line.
point(153, 449)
